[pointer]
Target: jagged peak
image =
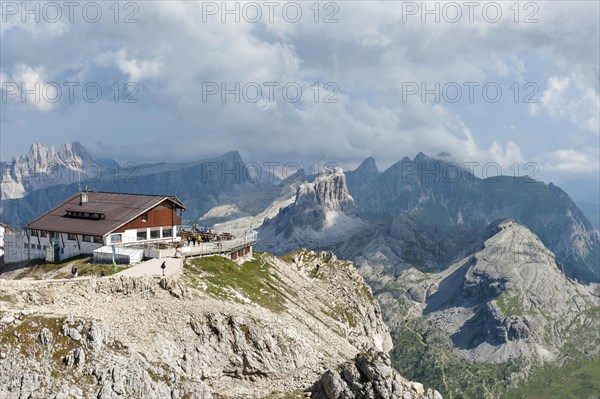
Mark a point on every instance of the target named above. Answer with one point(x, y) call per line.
point(37, 150)
point(331, 172)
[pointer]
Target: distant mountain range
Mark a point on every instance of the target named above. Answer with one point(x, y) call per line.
point(201, 185)
point(424, 212)
point(412, 214)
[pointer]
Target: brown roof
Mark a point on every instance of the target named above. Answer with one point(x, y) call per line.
point(118, 209)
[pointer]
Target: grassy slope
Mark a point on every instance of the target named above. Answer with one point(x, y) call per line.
point(224, 277)
point(423, 357)
point(40, 269)
point(579, 380)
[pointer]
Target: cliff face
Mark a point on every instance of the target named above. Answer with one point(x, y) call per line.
point(266, 328)
point(328, 191)
point(323, 212)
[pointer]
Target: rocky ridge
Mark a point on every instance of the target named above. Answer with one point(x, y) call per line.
point(202, 335)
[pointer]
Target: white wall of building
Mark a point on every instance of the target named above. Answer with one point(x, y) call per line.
point(18, 247)
point(131, 235)
point(2, 231)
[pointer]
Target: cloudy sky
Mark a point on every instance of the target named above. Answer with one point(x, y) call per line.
point(338, 81)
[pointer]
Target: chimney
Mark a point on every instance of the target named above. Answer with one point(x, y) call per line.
point(83, 197)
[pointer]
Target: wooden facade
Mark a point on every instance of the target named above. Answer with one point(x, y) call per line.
point(163, 214)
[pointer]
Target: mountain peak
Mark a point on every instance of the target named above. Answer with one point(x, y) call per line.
point(421, 157)
point(233, 156)
point(329, 191)
point(502, 286)
point(368, 165)
point(323, 211)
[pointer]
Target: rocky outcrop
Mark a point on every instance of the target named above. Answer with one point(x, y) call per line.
point(323, 212)
point(271, 326)
point(368, 376)
point(328, 192)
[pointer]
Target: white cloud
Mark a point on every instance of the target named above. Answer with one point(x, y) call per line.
point(580, 104)
point(585, 160)
point(552, 98)
point(369, 54)
point(27, 85)
point(137, 70)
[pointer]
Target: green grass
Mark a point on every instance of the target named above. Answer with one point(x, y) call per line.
point(289, 257)
point(424, 357)
point(27, 332)
point(304, 254)
point(93, 269)
point(5, 297)
point(578, 380)
point(510, 305)
point(40, 269)
point(251, 279)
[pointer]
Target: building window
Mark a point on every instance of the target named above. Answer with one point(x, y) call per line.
point(142, 235)
point(45, 247)
point(167, 233)
point(25, 246)
point(145, 217)
point(87, 238)
point(98, 239)
point(72, 237)
point(154, 233)
point(115, 238)
point(39, 247)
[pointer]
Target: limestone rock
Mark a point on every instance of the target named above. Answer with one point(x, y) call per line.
point(132, 337)
point(45, 337)
point(369, 375)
